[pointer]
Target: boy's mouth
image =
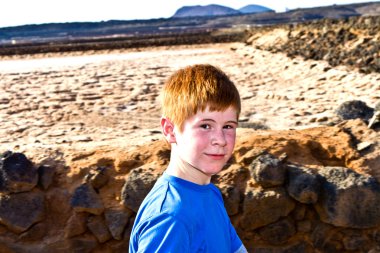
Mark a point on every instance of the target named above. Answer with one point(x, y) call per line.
point(216, 156)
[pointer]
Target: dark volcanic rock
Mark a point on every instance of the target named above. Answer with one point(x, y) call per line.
point(116, 221)
point(98, 227)
point(279, 232)
point(19, 211)
point(17, 173)
point(267, 170)
point(303, 185)
point(35, 233)
point(354, 109)
point(348, 199)
point(97, 177)
point(262, 207)
point(339, 41)
point(137, 185)
point(76, 244)
point(85, 199)
point(76, 224)
point(232, 198)
point(46, 174)
point(315, 208)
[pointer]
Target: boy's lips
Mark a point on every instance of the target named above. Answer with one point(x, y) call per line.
point(216, 156)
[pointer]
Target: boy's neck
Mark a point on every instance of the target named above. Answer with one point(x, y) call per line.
point(181, 169)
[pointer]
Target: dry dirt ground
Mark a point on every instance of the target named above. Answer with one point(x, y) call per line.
point(81, 101)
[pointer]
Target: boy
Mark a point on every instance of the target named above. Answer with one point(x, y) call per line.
point(184, 212)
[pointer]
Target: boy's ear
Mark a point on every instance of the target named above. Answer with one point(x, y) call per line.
point(168, 130)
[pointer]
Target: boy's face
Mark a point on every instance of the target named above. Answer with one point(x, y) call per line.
point(207, 140)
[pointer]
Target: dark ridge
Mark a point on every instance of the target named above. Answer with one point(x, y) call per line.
point(112, 34)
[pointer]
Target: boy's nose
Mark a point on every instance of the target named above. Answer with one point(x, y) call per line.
point(219, 138)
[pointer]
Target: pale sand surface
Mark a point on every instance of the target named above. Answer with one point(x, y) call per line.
point(111, 98)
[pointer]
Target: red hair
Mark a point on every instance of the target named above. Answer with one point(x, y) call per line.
point(193, 88)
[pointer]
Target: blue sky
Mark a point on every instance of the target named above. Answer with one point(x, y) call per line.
point(20, 12)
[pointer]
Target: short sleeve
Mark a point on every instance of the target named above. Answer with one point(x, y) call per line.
point(237, 245)
point(163, 233)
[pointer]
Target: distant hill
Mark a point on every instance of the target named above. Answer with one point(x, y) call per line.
point(253, 8)
point(202, 11)
point(190, 25)
point(369, 9)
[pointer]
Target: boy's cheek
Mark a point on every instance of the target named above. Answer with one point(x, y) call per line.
point(202, 135)
point(231, 136)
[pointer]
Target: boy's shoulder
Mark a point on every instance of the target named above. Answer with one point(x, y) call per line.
point(177, 197)
point(164, 199)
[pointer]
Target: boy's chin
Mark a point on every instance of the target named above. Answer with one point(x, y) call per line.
point(213, 171)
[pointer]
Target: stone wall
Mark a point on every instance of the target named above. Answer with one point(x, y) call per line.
point(312, 190)
point(353, 41)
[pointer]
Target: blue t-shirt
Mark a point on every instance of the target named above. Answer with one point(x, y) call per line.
point(181, 216)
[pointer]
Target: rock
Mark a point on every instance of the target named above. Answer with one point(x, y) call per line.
point(303, 185)
point(304, 226)
point(137, 185)
point(17, 173)
point(349, 42)
point(11, 247)
point(364, 145)
point(298, 247)
point(76, 225)
point(98, 227)
point(377, 107)
point(356, 242)
point(348, 199)
point(374, 250)
point(231, 182)
point(267, 170)
point(374, 120)
point(120, 246)
point(354, 109)
point(85, 199)
point(35, 233)
point(232, 198)
point(46, 175)
point(299, 212)
point(76, 244)
point(98, 177)
point(322, 238)
point(58, 206)
point(368, 157)
point(116, 220)
point(279, 232)
point(264, 206)
point(19, 211)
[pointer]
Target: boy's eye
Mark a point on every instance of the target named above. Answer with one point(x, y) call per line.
point(229, 127)
point(205, 126)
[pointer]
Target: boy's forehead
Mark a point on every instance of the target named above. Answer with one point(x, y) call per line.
point(210, 108)
point(229, 112)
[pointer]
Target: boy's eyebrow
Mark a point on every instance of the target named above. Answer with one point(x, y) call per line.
point(229, 121)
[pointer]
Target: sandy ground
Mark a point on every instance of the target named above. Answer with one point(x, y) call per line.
point(111, 98)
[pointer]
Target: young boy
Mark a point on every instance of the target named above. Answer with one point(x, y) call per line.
point(184, 212)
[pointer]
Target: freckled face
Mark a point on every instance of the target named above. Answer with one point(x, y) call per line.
point(208, 139)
